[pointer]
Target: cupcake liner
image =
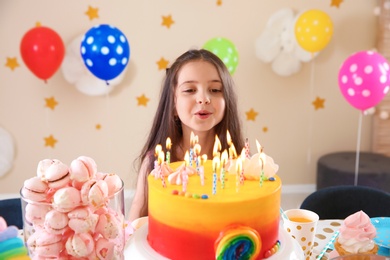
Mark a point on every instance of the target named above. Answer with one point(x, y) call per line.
point(342, 252)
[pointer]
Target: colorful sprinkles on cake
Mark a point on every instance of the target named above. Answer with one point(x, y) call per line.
point(238, 242)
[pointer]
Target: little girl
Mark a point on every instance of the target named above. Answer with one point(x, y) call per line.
point(197, 96)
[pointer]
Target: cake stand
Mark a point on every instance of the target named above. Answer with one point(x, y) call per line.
point(139, 248)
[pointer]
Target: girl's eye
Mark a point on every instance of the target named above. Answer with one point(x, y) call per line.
point(215, 90)
point(189, 90)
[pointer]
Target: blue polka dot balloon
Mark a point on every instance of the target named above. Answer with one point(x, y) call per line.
point(105, 51)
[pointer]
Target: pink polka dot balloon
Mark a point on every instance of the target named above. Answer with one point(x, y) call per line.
point(364, 79)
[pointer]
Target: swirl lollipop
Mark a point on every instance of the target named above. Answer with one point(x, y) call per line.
point(238, 242)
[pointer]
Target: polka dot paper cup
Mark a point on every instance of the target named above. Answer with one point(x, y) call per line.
point(301, 225)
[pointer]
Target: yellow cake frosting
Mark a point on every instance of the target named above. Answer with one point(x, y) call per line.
point(188, 225)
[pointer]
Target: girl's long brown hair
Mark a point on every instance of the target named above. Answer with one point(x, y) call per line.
point(166, 125)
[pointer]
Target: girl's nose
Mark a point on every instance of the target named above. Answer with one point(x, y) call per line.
point(203, 99)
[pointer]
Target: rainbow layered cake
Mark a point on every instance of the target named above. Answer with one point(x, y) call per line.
point(205, 211)
point(11, 245)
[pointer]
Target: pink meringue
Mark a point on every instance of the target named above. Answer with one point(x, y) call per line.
point(108, 226)
point(95, 193)
point(35, 213)
point(114, 183)
point(45, 244)
point(35, 189)
point(80, 245)
point(83, 169)
point(104, 249)
point(176, 178)
point(56, 222)
point(57, 175)
point(82, 220)
point(66, 199)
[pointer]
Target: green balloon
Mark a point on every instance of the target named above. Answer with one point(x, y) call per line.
point(225, 50)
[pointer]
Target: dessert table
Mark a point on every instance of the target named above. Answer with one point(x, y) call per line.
point(324, 233)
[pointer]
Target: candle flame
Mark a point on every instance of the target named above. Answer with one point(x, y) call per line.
point(160, 157)
point(197, 149)
point(243, 153)
point(238, 165)
point(168, 143)
point(192, 139)
point(217, 146)
point(232, 151)
point(187, 158)
point(216, 163)
point(196, 139)
point(259, 147)
point(228, 138)
point(203, 159)
point(157, 150)
point(224, 158)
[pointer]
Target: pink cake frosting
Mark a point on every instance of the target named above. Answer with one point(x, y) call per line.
point(357, 233)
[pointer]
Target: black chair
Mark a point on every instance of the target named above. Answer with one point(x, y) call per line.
point(338, 202)
point(11, 211)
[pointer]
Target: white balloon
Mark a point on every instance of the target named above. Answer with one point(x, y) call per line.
point(277, 44)
point(77, 74)
point(7, 152)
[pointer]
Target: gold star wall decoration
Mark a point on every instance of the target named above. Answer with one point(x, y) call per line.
point(251, 115)
point(162, 64)
point(92, 13)
point(336, 3)
point(318, 103)
point(98, 126)
point(142, 100)
point(51, 102)
point(50, 141)
point(38, 24)
point(167, 21)
point(12, 63)
point(219, 2)
point(265, 129)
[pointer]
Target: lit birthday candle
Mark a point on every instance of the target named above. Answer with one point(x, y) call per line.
point(185, 173)
point(192, 140)
point(238, 172)
point(215, 169)
point(242, 166)
point(197, 149)
point(157, 151)
point(224, 159)
point(217, 146)
point(247, 152)
point(160, 162)
point(203, 159)
point(168, 145)
point(261, 160)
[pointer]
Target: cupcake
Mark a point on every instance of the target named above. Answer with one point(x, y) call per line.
point(356, 236)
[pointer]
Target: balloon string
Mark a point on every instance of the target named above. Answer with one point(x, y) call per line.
point(109, 131)
point(358, 149)
point(311, 114)
point(48, 124)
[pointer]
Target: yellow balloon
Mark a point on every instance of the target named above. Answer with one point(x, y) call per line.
point(313, 30)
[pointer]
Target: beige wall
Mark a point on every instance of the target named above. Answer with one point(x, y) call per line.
point(295, 129)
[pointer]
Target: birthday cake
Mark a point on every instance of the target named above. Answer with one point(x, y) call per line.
point(11, 245)
point(207, 211)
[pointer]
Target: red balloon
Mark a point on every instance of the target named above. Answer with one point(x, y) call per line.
point(42, 50)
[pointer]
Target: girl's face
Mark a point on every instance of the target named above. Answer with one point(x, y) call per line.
point(200, 103)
